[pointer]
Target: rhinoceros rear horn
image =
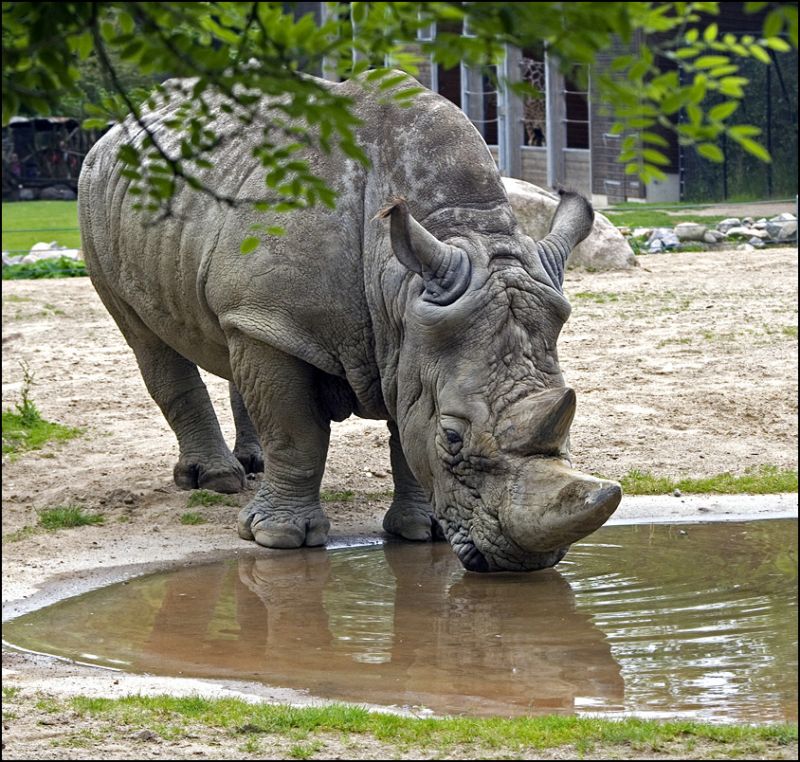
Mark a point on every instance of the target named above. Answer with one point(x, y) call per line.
point(538, 424)
point(445, 269)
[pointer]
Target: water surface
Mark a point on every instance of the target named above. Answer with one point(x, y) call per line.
point(698, 621)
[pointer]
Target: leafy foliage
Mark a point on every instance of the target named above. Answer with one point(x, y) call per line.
point(63, 267)
point(237, 52)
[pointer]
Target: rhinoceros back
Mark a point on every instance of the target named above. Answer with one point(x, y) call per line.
point(306, 292)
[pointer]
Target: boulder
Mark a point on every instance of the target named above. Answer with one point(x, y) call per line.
point(746, 232)
point(731, 222)
point(52, 250)
point(713, 236)
point(661, 239)
point(782, 230)
point(604, 249)
point(690, 231)
point(57, 193)
point(11, 259)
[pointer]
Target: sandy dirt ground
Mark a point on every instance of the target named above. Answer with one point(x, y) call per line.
point(685, 366)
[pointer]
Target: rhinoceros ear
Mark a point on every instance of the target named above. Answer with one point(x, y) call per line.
point(572, 222)
point(446, 270)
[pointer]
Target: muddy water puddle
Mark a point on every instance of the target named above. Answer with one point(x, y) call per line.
point(695, 621)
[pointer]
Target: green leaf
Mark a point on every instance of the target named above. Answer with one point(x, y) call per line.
point(708, 62)
point(710, 33)
point(249, 245)
point(654, 138)
point(722, 111)
point(773, 23)
point(695, 114)
point(777, 44)
point(761, 54)
point(654, 156)
point(756, 149)
point(93, 123)
point(711, 151)
point(744, 131)
point(129, 155)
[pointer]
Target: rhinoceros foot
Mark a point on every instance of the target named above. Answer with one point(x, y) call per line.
point(282, 528)
point(412, 521)
point(251, 457)
point(218, 474)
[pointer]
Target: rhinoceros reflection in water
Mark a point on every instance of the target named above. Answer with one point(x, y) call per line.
point(402, 626)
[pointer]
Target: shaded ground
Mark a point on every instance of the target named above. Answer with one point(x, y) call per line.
point(685, 367)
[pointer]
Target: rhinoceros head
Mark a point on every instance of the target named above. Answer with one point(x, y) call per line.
point(482, 409)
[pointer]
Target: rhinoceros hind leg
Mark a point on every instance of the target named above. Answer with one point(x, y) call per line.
point(175, 384)
point(410, 515)
point(247, 448)
point(280, 393)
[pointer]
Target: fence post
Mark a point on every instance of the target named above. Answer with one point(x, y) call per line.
point(509, 115)
point(556, 114)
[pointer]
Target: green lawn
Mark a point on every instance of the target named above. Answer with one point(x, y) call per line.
point(657, 218)
point(50, 221)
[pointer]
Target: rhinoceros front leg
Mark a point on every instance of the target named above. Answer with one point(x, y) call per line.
point(247, 448)
point(279, 392)
point(410, 514)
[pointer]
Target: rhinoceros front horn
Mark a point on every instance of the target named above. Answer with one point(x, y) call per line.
point(445, 269)
point(551, 505)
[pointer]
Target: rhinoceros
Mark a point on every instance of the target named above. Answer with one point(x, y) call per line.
point(418, 301)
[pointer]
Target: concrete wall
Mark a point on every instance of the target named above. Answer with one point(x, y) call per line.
point(534, 167)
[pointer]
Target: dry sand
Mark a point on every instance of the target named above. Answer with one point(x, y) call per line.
point(686, 366)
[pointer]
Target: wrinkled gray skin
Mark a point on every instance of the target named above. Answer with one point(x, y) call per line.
point(418, 301)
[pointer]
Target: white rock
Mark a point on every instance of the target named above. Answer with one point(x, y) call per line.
point(745, 247)
point(690, 231)
point(12, 259)
point(713, 236)
point(604, 249)
point(756, 242)
point(783, 217)
point(747, 232)
point(782, 230)
point(727, 224)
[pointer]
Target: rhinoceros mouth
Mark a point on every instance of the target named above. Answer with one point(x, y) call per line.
point(474, 560)
point(471, 558)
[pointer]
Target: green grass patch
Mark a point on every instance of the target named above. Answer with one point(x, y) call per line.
point(444, 735)
point(656, 218)
point(63, 267)
point(764, 480)
point(22, 433)
point(203, 498)
point(790, 331)
point(51, 221)
point(337, 496)
point(599, 297)
point(192, 519)
point(68, 516)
